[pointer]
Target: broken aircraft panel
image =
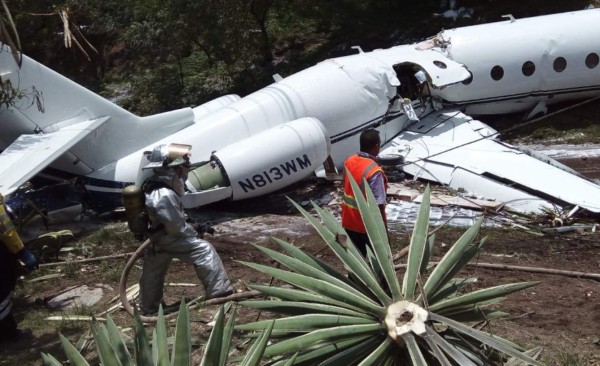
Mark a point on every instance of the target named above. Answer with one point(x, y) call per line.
point(453, 149)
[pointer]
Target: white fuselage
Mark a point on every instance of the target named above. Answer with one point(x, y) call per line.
point(346, 95)
point(518, 64)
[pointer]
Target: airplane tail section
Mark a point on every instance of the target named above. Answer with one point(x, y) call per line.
point(46, 102)
point(47, 97)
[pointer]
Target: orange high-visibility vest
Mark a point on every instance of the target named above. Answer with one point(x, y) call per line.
point(360, 168)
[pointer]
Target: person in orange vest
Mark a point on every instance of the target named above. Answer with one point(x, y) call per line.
point(11, 252)
point(360, 166)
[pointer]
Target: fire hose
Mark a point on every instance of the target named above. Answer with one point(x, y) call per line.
point(195, 303)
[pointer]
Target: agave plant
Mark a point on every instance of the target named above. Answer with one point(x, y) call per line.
point(112, 348)
point(368, 316)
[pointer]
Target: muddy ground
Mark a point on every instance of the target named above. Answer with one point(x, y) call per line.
point(562, 313)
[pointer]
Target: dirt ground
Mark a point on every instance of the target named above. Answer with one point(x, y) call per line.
point(562, 313)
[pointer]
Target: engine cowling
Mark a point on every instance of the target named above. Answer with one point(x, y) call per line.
point(266, 162)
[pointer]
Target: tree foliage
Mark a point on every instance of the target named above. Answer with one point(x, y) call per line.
point(185, 52)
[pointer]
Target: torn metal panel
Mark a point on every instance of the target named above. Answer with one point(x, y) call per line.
point(453, 149)
point(441, 70)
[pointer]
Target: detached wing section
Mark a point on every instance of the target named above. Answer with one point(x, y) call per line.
point(29, 154)
point(453, 149)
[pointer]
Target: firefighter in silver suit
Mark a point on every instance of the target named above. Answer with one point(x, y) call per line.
point(177, 238)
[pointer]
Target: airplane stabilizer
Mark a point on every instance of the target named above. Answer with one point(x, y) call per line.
point(29, 154)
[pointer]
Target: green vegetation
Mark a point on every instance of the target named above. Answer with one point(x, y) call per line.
point(113, 347)
point(333, 318)
point(369, 315)
point(162, 55)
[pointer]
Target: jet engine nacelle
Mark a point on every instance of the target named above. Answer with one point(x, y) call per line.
point(266, 162)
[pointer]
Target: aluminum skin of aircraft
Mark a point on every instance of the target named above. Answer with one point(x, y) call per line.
point(255, 145)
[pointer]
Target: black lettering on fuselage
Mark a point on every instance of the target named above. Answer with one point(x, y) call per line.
point(288, 167)
point(246, 185)
point(304, 163)
point(275, 173)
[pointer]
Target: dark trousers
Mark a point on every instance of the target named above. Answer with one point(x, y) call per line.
point(360, 240)
point(8, 326)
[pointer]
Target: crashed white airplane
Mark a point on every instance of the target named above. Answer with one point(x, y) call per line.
point(251, 146)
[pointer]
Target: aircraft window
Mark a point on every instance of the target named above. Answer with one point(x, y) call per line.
point(469, 80)
point(440, 64)
point(528, 68)
point(560, 64)
point(591, 60)
point(497, 72)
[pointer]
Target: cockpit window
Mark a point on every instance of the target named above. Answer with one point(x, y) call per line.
point(591, 60)
point(528, 68)
point(497, 72)
point(560, 64)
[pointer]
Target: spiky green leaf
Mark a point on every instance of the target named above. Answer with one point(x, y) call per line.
point(418, 244)
point(450, 289)
point(448, 348)
point(160, 347)
point(301, 308)
point(49, 360)
point(307, 323)
point(437, 351)
point(143, 354)
point(356, 352)
point(227, 333)
point(182, 348)
point(321, 336)
point(311, 260)
point(312, 272)
point(378, 354)
point(427, 254)
point(320, 287)
point(413, 349)
point(450, 259)
point(324, 351)
point(378, 237)
point(118, 344)
point(485, 338)
point(304, 296)
point(107, 354)
point(213, 347)
point(256, 351)
point(465, 308)
point(71, 352)
point(350, 256)
point(481, 296)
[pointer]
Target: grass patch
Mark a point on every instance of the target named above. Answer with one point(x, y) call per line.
point(571, 126)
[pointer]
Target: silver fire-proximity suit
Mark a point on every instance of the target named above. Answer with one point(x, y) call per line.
point(177, 240)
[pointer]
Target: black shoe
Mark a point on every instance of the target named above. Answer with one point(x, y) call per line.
point(16, 336)
point(225, 293)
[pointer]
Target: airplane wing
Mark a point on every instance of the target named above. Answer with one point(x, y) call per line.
point(453, 149)
point(29, 154)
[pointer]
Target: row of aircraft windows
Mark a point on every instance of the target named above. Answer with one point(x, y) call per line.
point(528, 68)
